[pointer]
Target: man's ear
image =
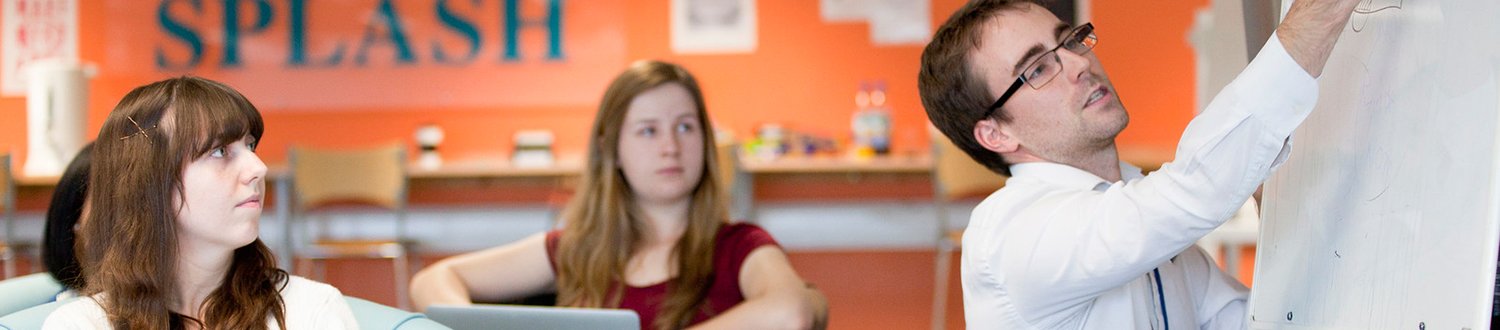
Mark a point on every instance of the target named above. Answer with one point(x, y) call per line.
point(996, 136)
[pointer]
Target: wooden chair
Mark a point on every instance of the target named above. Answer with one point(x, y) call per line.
point(734, 182)
point(374, 177)
point(955, 176)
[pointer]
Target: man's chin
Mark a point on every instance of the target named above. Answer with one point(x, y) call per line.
point(1112, 106)
point(1108, 110)
point(1112, 126)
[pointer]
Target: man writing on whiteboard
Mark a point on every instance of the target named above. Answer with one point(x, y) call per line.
point(1078, 239)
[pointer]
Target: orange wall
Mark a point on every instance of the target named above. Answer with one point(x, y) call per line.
point(1144, 47)
point(802, 75)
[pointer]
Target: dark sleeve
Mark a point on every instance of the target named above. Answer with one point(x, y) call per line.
point(737, 240)
point(58, 238)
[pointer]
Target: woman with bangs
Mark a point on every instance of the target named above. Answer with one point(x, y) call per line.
point(648, 230)
point(172, 239)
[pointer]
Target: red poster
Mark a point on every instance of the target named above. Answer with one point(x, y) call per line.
point(34, 30)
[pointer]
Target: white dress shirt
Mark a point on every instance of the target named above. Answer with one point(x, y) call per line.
point(1050, 251)
point(307, 304)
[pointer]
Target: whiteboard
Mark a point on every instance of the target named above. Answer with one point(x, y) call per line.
point(1387, 213)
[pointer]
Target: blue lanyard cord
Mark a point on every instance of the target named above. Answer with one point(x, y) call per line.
point(1162, 298)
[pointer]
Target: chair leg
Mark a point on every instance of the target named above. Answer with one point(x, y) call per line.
point(34, 263)
point(401, 264)
point(944, 251)
point(940, 285)
point(320, 270)
point(10, 262)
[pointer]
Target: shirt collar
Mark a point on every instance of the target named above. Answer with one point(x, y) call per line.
point(1069, 176)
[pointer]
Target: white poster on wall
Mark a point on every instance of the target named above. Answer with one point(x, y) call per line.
point(34, 30)
point(839, 11)
point(892, 22)
point(900, 22)
point(713, 26)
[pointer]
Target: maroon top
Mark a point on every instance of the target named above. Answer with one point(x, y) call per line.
point(733, 244)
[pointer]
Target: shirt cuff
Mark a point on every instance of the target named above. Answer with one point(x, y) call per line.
point(1286, 86)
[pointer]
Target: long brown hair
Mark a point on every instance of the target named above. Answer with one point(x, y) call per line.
point(130, 240)
point(602, 224)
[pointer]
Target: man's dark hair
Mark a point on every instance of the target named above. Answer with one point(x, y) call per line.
point(953, 92)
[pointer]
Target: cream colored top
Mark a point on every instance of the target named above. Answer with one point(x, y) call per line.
point(309, 305)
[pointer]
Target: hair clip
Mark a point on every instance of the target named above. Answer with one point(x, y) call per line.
point(139, 131)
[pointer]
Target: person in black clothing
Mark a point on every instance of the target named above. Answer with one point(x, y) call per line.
point(63, 216)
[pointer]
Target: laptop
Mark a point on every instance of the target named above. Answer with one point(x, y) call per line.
point(532, 317)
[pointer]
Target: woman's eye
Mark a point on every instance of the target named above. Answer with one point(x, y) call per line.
point(217, 152)
point(648, 131)
point(685, 127)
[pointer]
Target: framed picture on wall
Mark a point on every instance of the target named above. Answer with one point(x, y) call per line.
point(713, 26)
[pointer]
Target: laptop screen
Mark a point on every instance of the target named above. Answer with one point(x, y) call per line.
point(532, 317)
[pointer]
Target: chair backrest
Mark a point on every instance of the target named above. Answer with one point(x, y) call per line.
point(375, 176)
point(728, 164)
point(28, 291)
point(734, 182)
point(955, 175)
point(371, 315)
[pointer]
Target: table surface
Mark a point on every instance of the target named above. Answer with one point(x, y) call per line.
point(570, 165)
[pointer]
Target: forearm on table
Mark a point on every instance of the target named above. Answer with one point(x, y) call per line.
point(438, 285)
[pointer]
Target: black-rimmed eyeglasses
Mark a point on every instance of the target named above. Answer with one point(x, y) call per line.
point(1046, 66)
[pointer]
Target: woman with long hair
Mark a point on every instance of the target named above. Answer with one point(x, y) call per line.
point(647, 231)
point(171, 239)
